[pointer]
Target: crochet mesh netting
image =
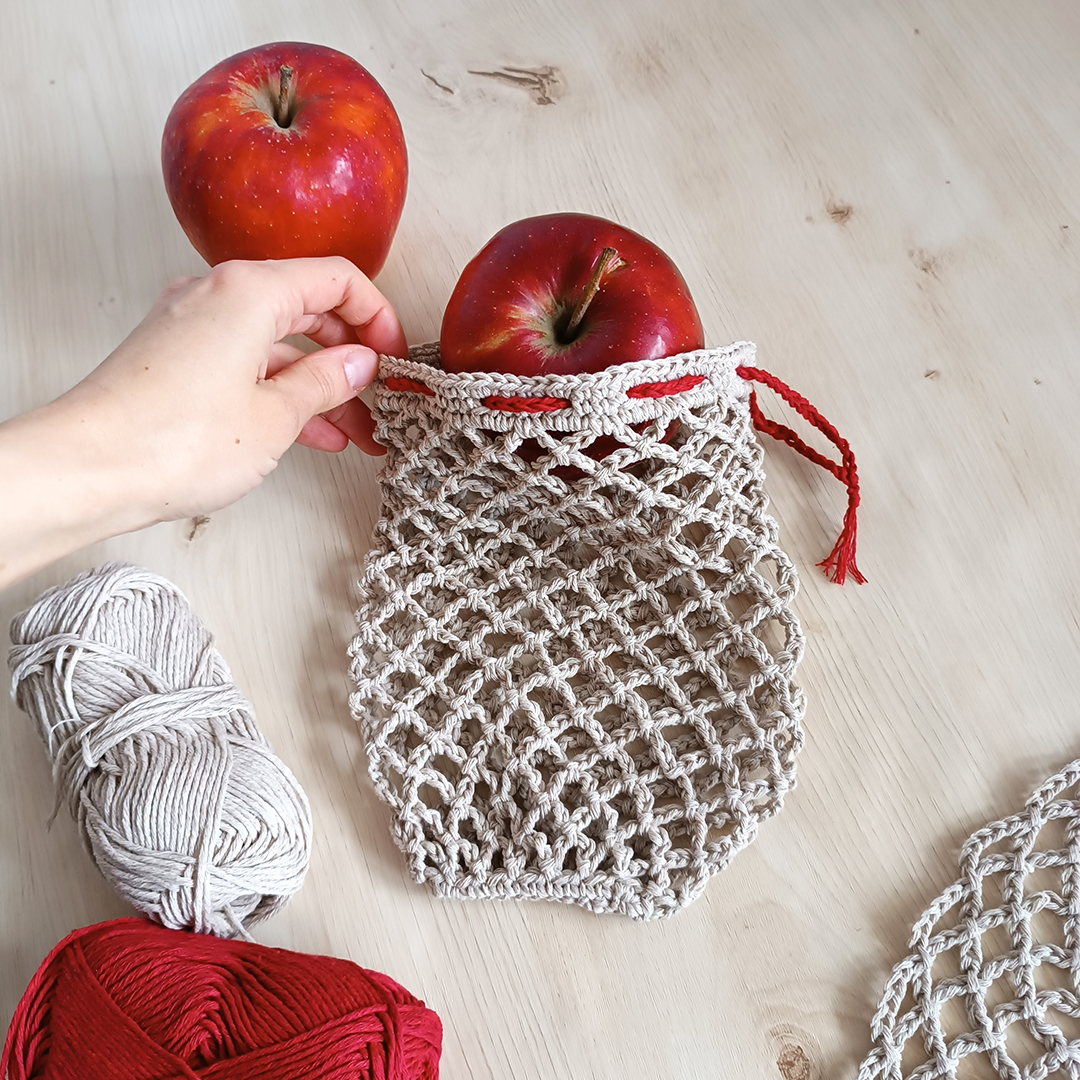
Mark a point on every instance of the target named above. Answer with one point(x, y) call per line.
point(574, 673)
point(991, 986)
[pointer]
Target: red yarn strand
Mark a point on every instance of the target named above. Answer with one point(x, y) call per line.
point(841, 560)
point(395, 382)
point(525, 404)
point(665, 389)
point(552, 404)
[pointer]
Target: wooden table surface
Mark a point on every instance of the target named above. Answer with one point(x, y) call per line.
point(885, 196)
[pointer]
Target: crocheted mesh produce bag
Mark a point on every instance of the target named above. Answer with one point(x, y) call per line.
point(575, 658)
point(991, 986)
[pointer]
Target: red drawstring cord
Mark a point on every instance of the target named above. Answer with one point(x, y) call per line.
point(841, 560)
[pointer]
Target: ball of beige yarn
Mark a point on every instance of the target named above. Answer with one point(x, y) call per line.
point(179, 798)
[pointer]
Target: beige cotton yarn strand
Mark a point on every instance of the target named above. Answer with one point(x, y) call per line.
point(179, 798)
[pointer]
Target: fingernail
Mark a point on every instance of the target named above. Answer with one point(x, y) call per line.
point(360, 364)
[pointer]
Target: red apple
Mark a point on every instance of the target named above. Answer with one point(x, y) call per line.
point(566, 294)
point(286, 150)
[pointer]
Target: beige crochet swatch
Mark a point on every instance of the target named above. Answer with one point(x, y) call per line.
point(991, 985)
point(574, 673)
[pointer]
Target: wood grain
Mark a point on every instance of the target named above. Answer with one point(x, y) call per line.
point(885, 195)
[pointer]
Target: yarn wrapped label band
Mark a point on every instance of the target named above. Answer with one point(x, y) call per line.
point(575, 651)
point(179, 798)
point(128, 999)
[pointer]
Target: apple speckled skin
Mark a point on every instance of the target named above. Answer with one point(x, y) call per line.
point(330, 183)
point(510, 302)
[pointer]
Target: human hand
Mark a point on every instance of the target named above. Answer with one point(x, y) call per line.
point(205, 396)
point(196, 406)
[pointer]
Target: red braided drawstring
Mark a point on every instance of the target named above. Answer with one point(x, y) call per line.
point(553, 404)
point(841, 560)
point(665, 389)
point(525, 404)
point(408, 386)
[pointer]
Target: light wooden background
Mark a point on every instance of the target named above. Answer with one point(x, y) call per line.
point(886, 197)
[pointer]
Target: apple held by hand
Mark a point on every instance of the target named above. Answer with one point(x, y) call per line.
point(567, 294)
point(283, 151)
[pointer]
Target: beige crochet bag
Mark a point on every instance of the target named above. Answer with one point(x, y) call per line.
point(575, 658)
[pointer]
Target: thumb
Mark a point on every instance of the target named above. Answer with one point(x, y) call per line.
point(326, 378)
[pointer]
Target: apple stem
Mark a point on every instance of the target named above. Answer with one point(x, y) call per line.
point(281, 106)
point(609, 257)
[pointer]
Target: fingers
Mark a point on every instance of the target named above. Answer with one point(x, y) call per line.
point(319, 434)
point(321, 381)
point(355, 420)
point(298, 289)
point(335, 428)
point(331, 329)
point(281, 355)
point(327, 299)
point(327, 329)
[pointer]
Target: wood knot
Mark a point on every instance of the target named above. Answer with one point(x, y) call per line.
point(793, 1063)
point(197, 526)
point(840, 212)
point(545, 85)
point(798, 1055)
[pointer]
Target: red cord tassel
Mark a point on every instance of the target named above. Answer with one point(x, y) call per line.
point(841, 560)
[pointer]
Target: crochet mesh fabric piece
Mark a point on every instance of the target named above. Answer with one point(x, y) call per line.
point(575, 652)
point(990, 987)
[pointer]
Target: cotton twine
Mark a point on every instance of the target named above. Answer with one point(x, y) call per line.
point(129, 999)
point(991, 983)
point(179, 798)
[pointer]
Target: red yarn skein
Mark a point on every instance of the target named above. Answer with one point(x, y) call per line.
point(130, 1000)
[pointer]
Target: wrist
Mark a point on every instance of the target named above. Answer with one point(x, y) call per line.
point(63, 487)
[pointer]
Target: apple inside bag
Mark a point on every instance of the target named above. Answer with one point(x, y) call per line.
point(575, 651)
